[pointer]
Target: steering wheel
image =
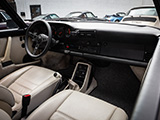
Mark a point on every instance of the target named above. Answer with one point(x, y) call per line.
point(38, 38)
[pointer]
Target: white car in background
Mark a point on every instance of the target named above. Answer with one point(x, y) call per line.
point(145, 15)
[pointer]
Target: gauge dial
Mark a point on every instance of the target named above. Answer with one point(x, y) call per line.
point(60, 32)
point(68, 32)
point(54, 32)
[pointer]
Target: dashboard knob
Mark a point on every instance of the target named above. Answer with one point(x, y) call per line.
point(88, 43)
point(98, 44)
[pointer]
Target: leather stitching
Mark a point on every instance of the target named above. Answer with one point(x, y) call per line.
point(113, 113)
point(61, 103)
point(29, 81)
point(15, 91)
point(54, 81)
point(22, 86)
point(65, 114)
point(7, 77)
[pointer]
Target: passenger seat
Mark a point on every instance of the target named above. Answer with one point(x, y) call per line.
point(74, 105)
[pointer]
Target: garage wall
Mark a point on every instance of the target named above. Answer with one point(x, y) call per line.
point(63, 7)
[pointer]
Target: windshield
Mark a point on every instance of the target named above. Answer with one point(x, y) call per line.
point(143, 11)
point(74, 8)
point(86, 11)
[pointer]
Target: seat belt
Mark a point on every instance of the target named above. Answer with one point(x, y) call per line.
point(25, 102)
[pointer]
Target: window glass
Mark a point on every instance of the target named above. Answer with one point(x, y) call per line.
point(90, 15)
point(6, 21)
point(143, 11)
point(2, 19)
point(53, 16)
point(105, 9)
point(7, 17)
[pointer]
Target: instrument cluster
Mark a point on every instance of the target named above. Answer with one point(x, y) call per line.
point(61, 32)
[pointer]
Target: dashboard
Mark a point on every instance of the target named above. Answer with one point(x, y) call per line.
point(112, 42)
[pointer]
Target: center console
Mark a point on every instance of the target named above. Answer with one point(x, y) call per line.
point(80, 77)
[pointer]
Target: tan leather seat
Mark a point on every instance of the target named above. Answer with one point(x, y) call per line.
point(4, 115)
point(7, 100)
point(73, 105)
point(39, 82)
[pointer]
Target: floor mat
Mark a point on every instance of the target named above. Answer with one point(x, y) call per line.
point(117, 85)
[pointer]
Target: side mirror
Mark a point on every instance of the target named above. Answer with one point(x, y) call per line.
point(96, 16)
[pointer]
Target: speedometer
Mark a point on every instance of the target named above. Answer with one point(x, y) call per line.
point(68, 32)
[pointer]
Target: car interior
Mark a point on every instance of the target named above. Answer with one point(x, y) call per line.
point(70, 70)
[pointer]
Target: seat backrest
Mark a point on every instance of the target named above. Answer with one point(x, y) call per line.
point(33, 80)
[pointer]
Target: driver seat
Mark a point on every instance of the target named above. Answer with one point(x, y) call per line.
point(39, 82)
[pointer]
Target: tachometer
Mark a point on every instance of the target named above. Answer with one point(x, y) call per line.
point(60, 32)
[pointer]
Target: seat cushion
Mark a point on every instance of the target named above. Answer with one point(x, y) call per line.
point(37, 81)
point(71, 105)
point(4, 115)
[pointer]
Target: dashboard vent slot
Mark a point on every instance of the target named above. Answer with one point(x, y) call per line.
point(90, 34)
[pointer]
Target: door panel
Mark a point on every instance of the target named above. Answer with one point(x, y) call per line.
point(17, 52)
point(11, 50)
point(12, 55)
point(6, 55)
point(3, 43)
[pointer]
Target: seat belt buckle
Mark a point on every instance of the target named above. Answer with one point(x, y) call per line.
point(26, 99)
point(25, 102)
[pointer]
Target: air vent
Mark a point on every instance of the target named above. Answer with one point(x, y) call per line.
point(90, 34)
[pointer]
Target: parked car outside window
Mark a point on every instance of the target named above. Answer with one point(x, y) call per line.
point(46, 17)
point(115, 17)
point(144, 15)
point(149, 11)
